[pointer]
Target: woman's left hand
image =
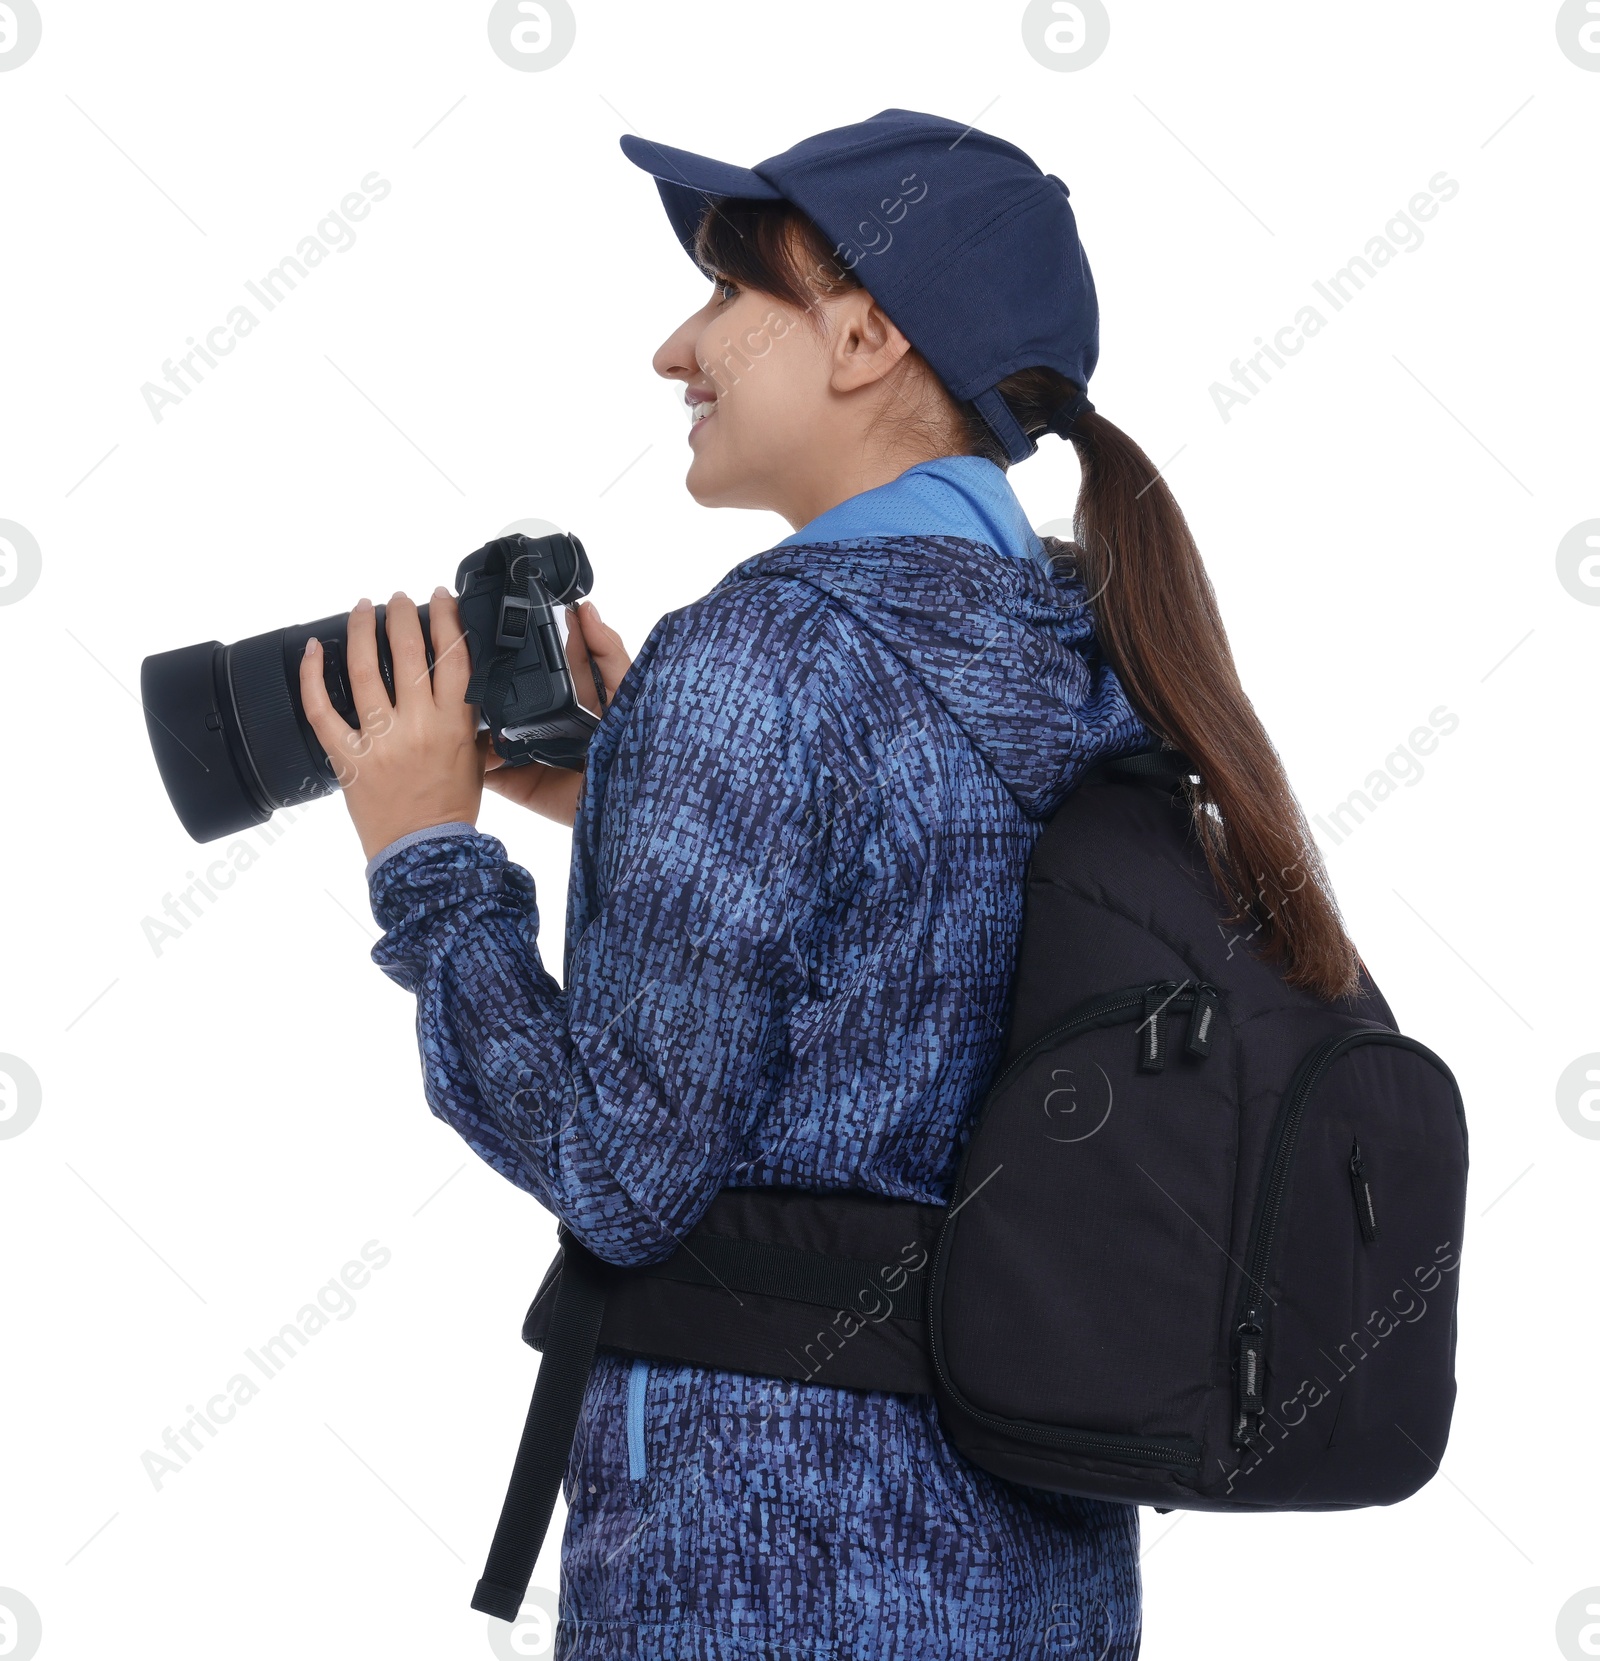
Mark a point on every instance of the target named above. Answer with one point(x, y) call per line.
point(415, 762)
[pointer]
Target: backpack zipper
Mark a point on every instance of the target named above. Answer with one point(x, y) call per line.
point(1202, 1019)
point(1251, 1315)
point(1361, 1190)
point(1152, 1000)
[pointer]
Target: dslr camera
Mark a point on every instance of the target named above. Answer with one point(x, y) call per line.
point(230, 734)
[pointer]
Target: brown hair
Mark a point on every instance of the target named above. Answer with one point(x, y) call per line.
point(1156, 613)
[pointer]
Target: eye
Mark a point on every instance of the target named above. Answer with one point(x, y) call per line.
point(724, 287)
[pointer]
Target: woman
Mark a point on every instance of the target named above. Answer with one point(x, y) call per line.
point(800, 844)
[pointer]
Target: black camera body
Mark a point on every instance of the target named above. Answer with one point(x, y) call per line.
point(230, 734)
point(507, 594)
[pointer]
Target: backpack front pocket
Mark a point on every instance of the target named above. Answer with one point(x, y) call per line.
point(1080, 1278)
point(1346, 1300)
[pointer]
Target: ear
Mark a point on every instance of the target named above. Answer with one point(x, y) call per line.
point(866, 343)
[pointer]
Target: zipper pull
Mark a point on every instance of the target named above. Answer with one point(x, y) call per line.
point(1202, 1018)
point(1249, 1381)
point(1361, 1189)
point(1153, 1028)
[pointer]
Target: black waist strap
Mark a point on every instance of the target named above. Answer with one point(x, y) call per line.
point(788, 1272)
point(546, 1438)
point(823, 1288)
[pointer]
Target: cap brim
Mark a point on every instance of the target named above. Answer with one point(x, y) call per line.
point(686, 181)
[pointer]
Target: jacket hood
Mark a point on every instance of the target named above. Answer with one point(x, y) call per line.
point(1005, 644)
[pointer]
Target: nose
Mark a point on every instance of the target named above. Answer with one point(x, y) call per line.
point(675, 358)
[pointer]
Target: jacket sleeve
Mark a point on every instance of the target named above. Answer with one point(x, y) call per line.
point(623, 1100)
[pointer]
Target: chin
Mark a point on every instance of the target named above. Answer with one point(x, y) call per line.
point(717, 484)
point(704, 486)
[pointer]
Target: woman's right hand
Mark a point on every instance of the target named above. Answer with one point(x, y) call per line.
point(553, 791)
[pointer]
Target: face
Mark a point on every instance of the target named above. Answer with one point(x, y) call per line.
point(755, 376)
point(787, 403)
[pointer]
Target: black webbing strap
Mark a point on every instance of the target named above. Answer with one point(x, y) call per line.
point(1165, 768)
point(766, 1268)
point(491, 675)
point(776, 1271)
point(547, 1435)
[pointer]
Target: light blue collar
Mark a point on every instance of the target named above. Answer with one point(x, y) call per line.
point(950, 496)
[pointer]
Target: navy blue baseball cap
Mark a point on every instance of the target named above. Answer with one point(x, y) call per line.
point(958, 236)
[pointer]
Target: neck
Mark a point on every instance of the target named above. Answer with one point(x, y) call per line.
point(809, 494)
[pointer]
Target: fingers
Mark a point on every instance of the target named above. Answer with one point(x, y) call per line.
point(406, 652)
point(578, 662)
point(452, 666)
point(605, 647)
point(517, 784)
point(361, 659)
point(551, 792)
point(332, 730)
point(492, 759)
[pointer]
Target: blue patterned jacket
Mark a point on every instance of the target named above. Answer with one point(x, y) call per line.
point(797, 884)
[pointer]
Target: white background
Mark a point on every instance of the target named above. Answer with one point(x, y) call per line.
point(225, 1123)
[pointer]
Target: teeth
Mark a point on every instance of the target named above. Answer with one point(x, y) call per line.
point(698, 412)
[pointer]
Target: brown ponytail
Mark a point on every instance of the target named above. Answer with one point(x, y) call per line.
point(1155, 611)
point(1157, 621)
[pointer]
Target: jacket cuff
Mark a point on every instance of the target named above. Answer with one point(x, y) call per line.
point(454, 827)
point(424, 894)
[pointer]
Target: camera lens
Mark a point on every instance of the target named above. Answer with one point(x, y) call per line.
point(228, 730)
point(183, 704)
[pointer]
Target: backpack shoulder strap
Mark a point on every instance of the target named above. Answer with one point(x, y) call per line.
point(1165, 768)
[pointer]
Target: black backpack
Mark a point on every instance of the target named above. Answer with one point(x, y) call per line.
point(1201, 1252)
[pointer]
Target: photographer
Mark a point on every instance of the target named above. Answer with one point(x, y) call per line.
point(800, 844)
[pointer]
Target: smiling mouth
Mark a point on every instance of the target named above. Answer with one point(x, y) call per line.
point(701, 412)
